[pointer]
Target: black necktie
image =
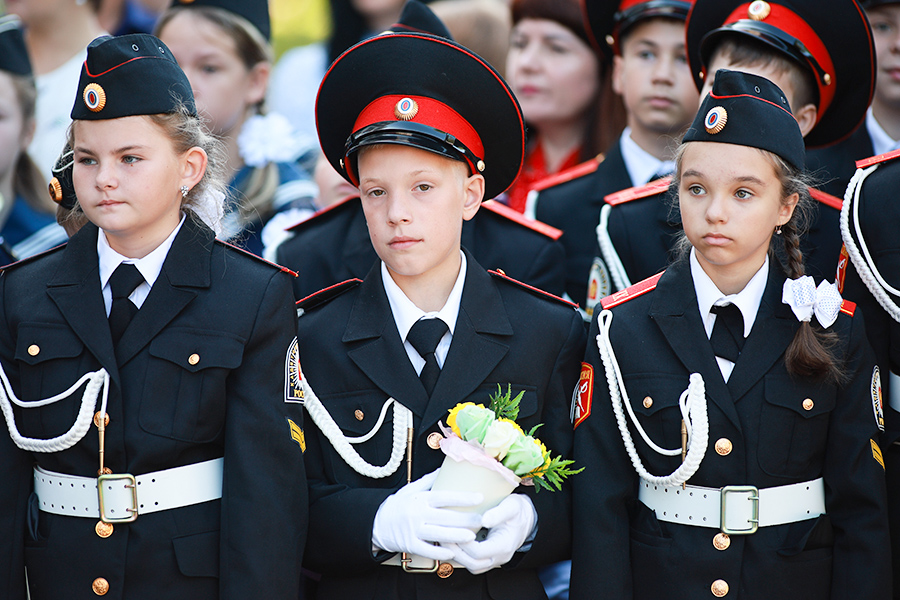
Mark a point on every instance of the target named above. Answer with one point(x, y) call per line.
point(123, 281)
point(424, 336)
point(727, 337)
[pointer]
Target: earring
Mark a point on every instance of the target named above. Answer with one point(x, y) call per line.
point(778, 230)
point(184, 193)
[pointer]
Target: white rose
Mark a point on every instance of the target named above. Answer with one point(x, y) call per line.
point(500, 436)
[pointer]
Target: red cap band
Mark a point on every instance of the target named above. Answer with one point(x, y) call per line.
point(792, 24)
point(430, 112)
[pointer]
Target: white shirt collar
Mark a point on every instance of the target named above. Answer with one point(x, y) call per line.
point(747, 300)
point(641, 165)
point(149, 266)
point(881, 141)
point(406, 313)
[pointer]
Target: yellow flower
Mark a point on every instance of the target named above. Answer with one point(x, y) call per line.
point(539, 472)
point(451, 420)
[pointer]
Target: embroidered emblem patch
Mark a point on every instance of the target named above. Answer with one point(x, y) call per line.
point(598, 285)
point(581, 397)
point(876, 454)
point(297, 435)
point(877, 398)
point(293, 386)
point(841, 274)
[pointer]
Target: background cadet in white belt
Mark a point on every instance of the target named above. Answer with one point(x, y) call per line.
point(739, 377)
point(188, 346)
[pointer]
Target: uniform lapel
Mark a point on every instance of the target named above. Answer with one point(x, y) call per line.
point(675, 311)
point(186, 268)
point(376, 347)
point(480, 341)
point(770, 336)
point(76, 291)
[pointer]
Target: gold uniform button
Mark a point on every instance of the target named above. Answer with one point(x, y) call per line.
point(808, 404)
point(721, 541)
point(648, 402)
point(34, 350)
point(104, 530)
point(434, 440)
point(97, 419)
point(359, 415)
point(445, 570)
point(193, 359)
point(104, 471)
point(100, 586)
point(719, 588)
point(724, 446)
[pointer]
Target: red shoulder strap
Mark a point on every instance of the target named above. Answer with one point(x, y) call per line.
point(638, 289)
point(579, 170)
point(826, 199)
point(874, 160)
point(514, 215)
point(643, 191)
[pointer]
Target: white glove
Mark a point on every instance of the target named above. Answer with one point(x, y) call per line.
point(509, 524)
point(413, 517)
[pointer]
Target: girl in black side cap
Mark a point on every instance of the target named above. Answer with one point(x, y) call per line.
point(171, 353)
point(739, 454)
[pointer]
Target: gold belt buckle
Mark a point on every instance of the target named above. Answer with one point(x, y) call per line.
point(130, 483)
point(405, 561)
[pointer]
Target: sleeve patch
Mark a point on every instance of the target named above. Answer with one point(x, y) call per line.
point(581, 397)
point(877, 398)
point(293, 377)
point(841, 273)
point(297, 435)
point(876, 453)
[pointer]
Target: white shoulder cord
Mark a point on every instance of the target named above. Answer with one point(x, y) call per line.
point(693, 410)
point(98, 382)
point(341, 443)
point(865, 266)
point(608, 251)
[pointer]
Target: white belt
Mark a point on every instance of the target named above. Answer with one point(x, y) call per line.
point(735, 509)
point(420, 563)
point(121, 497)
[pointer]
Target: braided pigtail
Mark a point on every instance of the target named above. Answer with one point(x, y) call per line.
point(811, 352)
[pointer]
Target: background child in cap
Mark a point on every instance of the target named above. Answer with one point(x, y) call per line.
point(771, 399)
point(650, 73)
point(186, 342)
point(426, 130)
point(27, 225)
point(223, 47)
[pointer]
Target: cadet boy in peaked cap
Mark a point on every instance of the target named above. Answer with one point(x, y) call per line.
point(426, 129)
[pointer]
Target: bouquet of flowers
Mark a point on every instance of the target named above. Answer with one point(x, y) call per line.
point(488, 452)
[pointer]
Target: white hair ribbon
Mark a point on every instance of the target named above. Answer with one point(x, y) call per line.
point(805, 299)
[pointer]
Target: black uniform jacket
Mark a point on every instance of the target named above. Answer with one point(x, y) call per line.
point(833, 166)
point(235, 314)
point(334, 246)
point(574, 206)
point(644, 232)
point(659, 340)
point(354, 359)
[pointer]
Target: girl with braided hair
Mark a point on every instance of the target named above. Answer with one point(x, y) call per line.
point(741, 454)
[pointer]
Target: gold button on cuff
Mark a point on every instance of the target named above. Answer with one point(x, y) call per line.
point(434, 440)
point(723, 446)
point(721, 541)
point(445, 570)
point(34, 350)
point(719, 588)
point(193, 359)
point(104, 530)
point(648, 402)
point(808, 404)
point(97, 419)
point(359, 415)
point(100, 586)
